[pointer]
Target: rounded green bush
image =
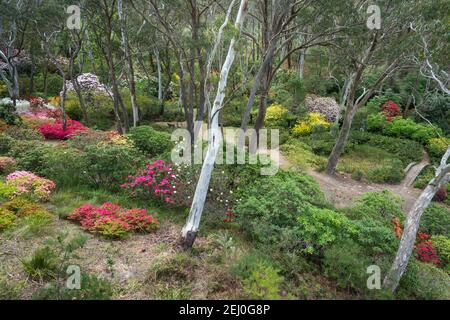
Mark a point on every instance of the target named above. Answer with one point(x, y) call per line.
point(424, 281)
point(150, 141)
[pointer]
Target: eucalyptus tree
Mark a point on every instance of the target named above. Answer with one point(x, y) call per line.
point(380, 52)
point(14, 22)
point(283, 24)
point(182, 23)
point(190, 229)
point(432, 63)
point(54, 37)
point(102, 24)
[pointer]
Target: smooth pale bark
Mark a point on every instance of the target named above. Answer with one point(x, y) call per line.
point(301, 68)
point(189, 232)
point(127, 51)
point(408, 239)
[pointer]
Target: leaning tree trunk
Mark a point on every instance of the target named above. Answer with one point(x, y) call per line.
point(342, 140)
point(189, 232)
point(412, 224)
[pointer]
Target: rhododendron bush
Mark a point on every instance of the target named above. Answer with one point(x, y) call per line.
point(390, 110)
point(157, 180)
point(27, 183)
point(327, 107)
point(175, 185)
point(113, 221)
point(55, 130)
point(89, 82)
point(425, 251)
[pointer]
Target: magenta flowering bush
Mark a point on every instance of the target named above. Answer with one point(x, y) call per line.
point(157, 180)
point(113, 221)
point(29, 184)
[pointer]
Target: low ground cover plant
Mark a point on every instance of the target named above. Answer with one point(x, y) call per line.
point(112, 221)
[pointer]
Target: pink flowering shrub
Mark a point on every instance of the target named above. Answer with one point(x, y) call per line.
point(157, 180)
point(113, 221)
point(55, 130)
point(29, 184)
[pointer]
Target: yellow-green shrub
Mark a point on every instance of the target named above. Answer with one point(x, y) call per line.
point(438, 146)
point(274, 114)
point(6, 218)
point(311, 121)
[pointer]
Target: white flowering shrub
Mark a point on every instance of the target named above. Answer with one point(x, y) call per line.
point(89, 83)
point(328, 107)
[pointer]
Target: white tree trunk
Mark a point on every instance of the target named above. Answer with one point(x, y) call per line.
point(160, 85)
point(412, 224)
point(301, 68)
point(189, 232)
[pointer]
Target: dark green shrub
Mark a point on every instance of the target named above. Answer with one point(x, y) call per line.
point(375, 237)
point(30, 155)
point(406, 150)
point(436, 220)
point(318, 228)
point(54, 84)
point(382, 206)
point(424, 177)
point(424, 281)
point(391, 173)
point(65, 166)
point(6, 142)
point(109, 165)
point(23, 133)
point(271, 209)
point(150, 141)
point(347, 263)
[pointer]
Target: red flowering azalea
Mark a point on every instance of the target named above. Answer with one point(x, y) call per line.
point(55, 131)
point(427, 253)
point(113, 221)
point(390, 110)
